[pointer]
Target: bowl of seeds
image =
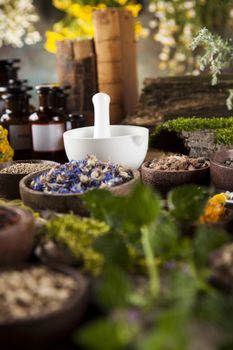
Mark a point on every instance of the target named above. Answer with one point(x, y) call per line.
point(175, 170)
point(221, 170)
point(40, 305)
point(12, 172)
point(61, 188)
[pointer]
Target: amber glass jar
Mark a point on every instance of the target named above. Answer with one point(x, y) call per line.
point(15, 120)
point(48, 126)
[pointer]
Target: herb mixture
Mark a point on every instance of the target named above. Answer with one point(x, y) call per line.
point(178, 163)
point(33, 292)
point(25, 168)
point(80, 176)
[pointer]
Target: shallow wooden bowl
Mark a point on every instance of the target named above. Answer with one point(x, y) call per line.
point(40, 332)
point(16, 240)
point(221, 175)
point(163, 181)
point(64, 203)
point(9, 183)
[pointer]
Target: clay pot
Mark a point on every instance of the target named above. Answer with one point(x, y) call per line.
point(221, 175)
point(16, 239)
point(163, 181)
point(41, 332)
point(9, 183)
point(64, 203)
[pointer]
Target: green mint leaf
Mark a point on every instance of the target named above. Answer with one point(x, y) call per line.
point(100, 335)
point(186, 203)
point(207, 239)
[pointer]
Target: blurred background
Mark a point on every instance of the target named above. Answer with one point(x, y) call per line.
point(39, 66)
point(165, 29)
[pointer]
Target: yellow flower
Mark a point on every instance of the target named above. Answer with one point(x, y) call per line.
point(6, 151)
point(80, 22)
point(51, 39)
point(140, 31)
point(215, 210)
point(134, 9)
point(62, 4)
point(121, 2)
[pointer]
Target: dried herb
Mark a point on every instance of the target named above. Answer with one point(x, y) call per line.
point(78, 235)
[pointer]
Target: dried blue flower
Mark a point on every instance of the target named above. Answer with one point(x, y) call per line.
point(81, 176)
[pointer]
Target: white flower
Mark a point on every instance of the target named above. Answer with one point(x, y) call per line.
point(163, 56)
point(152, 7)
point(180, 57)
point(189, 5)
point(16, 23)
point(153, 24)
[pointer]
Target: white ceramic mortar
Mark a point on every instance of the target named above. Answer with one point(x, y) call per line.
point(122, 144)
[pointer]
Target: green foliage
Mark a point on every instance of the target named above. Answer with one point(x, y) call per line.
point(186, 203)
point(114, 289)
point(136, 212)
point(222, 126)
point(154, 311)
point(165, 237)
point(218, 56)
point(103, 335)
point(207, 239)
point(218, 52)
point(78, 235)
point(114, 248)
point(141, 207)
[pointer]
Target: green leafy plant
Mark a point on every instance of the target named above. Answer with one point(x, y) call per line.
point(218, 56)
point(153, 308)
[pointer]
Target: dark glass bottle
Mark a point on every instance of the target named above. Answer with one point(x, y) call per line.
point(8, 70)
point(15, 120)
point(47, 126)
point(75, 120)
point(11, 84)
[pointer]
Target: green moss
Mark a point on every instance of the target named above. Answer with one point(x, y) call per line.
point(223, 127)
point(78, 235)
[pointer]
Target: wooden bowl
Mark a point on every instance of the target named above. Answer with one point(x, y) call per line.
point(40, 332)
point(16, 240)
point(221, 175)
point(165, 180)
point(9, 183)
point(64, 203)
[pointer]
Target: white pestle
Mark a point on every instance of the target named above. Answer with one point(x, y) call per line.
point(101, 102)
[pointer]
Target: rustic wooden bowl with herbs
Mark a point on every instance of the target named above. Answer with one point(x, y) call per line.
point(12, 172)
point(165, 180)
point(221, 170)
point(42, 305)
point(64, 203)
point(16, 235)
